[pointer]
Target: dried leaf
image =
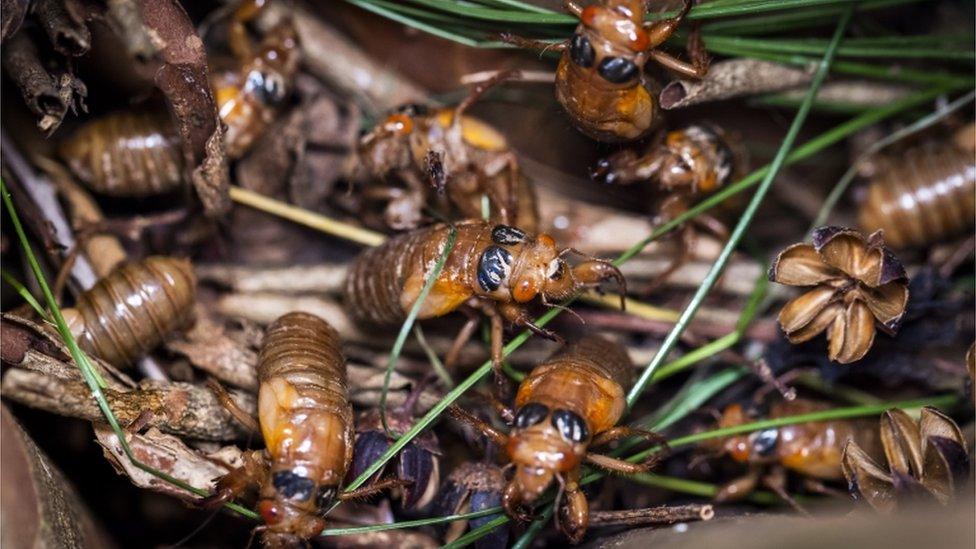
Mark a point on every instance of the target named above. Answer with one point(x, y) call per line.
point(801, 265)
point(867, 480)
point(900, 440)
point(887, 302)
point(858, 334)
point(802, 310)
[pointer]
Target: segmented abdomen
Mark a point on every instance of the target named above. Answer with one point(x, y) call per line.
point(375, 279)
point(303, 402)
point(921, 198)
point(129, 312)
point(607, 358)
point(126, 154)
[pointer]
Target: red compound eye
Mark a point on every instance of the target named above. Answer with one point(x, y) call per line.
point(269, 512)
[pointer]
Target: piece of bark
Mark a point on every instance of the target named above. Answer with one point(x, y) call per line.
point(170, 455)
point(12, 14)
point(38, 505)
point(734, 78)
point(183, 78)
point(331, 56)
point(47, 95)
point(65, 28)
point(182, 409)
point(210, 348)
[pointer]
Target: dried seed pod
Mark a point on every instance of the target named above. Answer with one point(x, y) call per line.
point(126, 154)
point(810, 449)
point(565, 407)
point(130, 311)
point(473, 486)
point(856, 283)
point(928, 457)
point(418, 464)
point(922, 197)
point(601, 80)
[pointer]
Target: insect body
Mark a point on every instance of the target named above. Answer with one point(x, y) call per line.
point(496, 268)
point(601, 81)
point(307, 423)
point(456, 154)
point(566, 405)
point(813, 450)
point(137, 154)
point(922, 197)
point(690, 162)
point(131, 154)
point(249, 98)
point(129, 312)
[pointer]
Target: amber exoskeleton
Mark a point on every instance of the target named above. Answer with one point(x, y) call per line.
point(686, 164)
point(568, 405)
point(444, 152)
point(812, 450)
point(925, 195)
point(128, 154)
point(307, 423)
point(129, 312)
point(601, 80)
point(495, 268)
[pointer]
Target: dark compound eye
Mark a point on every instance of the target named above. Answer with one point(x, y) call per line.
point(617, 69)
point(412, 109)
point(292, 486)
point(325, 497)
point(557, 267)
point(530, 414)
point(503, 234)
point(493, 267)
point(570, 425)
point(581, 51)
point(268, 87)
point(764, 442)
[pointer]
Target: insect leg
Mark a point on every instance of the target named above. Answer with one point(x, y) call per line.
point(519, 317)
point(572, 7)
point(476, 92)
point(620, 466)
point(660, 31)
point(775, 480)
point(623, 431)
point(530, 44)
point(462, 338)
point(373, 488)
point(737, 489)
point(253, 471)
point(573, 517)
point(462, 415)
point(223, 397)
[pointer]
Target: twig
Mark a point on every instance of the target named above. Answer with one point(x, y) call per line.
point(182, 409)
point(656, 515)
point(47, 95)
point(734, 78)
point(169, 454)
point(66, 30)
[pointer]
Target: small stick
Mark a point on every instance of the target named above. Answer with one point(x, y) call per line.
point(734, 78)
point(653, 515)
point(67, 32)
point(535, 77)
